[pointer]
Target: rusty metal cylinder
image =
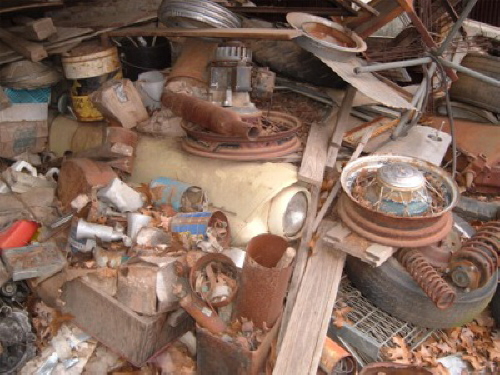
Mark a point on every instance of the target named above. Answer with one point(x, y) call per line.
point(209, 116)
point(263, 283)
point(336, 360)
point(433, 285)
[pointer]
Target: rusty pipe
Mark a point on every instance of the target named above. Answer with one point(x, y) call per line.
point(202, 314)
point(209, 116)
point(336, 360)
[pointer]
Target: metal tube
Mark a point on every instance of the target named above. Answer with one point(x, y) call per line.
point(470, 72)
point(456, 26)
point(392, 65)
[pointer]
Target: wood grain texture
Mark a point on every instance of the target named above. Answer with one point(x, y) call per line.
point(30, 50)
point(302, 345)
point(314, 158)
point(241, 33)
point(300, 264)
point(341, 126)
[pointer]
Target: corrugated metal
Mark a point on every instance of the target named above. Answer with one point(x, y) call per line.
point(487, 11)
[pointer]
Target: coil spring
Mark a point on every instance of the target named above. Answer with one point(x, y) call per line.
point(476, 262)
point(433, 285)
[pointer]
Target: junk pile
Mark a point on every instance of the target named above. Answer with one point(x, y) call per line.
point(249, 188)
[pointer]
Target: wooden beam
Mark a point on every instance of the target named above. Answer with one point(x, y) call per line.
point(30, 50)
point(324, 11)
point(340, 128)
point(302, 345)
point(242, 33)
point(316, 151)
point(300, 264)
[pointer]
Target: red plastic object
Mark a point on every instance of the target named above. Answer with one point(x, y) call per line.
point(18, 234)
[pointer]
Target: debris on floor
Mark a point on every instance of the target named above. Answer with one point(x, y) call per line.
point(237, 187)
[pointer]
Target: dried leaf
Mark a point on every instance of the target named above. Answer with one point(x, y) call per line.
point(340, 316)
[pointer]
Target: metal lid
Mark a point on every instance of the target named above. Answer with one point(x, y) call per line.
point(401, 175)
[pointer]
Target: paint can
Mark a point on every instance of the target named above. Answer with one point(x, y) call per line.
point(89, 67)
point(181, 196)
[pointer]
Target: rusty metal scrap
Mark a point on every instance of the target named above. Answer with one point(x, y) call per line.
point(263, 283)
point(476, 262)
point(209, 116)
point(214, 279)
point(433, 285)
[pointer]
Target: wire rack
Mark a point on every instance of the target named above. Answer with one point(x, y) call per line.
point(370, 329)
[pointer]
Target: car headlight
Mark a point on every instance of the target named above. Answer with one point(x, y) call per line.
point(288, 212)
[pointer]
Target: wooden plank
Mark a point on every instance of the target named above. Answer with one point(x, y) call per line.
point(32, 51)
point(338, 134)
point(39, 29)
point(242, 33)
point(14, 6)
point(302, 345)
point(300, 264)
point(320, 11)
point(341, 238)
point(316, 151)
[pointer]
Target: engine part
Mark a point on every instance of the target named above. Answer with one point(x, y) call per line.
point(472, 209)
point(103, 232)
point(16, 340)
point(439, 254)
point(397, 201)
point(196, 14)
point(209, 116)
point(14, 293)
point(476, 262)
point(434, 286)
point(232, 78)
point(324, 38)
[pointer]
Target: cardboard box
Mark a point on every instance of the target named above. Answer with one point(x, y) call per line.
point(136, 338)
point(23, 127)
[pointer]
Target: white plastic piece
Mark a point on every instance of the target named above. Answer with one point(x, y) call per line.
point(135, 222)
point(121, 196)
point(150, 86)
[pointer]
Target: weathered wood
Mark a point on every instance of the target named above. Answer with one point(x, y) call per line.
point(300, 264)
point(314, 158)
point(30, 50)
point(302, 345)
point(333, 193)
point(241, 33)
point(340, 128)
point(39, 29)
point(341, 238)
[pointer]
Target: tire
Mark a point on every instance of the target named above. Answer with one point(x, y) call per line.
point(473, 91)
point(391, 288)
point(289, 60)
point(495, 307)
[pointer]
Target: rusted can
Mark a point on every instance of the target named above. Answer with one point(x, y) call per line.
point(196, 224)
point(88, 67)
point(181, 196)
point(263, 284)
